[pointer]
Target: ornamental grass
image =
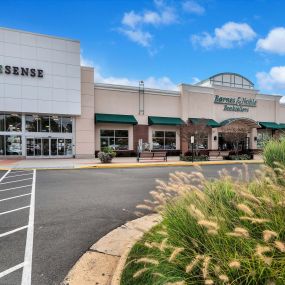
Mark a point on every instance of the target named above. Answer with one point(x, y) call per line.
point(274, 152)
point(224, 231)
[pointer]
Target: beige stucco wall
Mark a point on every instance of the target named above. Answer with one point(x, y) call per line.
point(198, 102)
point(125, 101)
point(84, 124)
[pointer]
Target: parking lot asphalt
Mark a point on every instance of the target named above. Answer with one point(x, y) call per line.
point(73, 209)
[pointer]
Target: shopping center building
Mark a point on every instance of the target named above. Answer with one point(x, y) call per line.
point(50, 106)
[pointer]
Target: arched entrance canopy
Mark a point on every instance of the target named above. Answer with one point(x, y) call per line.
point(246, 121)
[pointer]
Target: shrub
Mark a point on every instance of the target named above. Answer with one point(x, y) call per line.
point(218, 232)
point(239, 157)
point(274, 152)
point(106, 155)
point(196, 158)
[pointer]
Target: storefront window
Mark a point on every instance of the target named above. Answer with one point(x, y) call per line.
point(46, 124)
point(10, 145)
point(201, 142)
point(10, 123)
point(32, 123)
point(2, 145)
point(164, 140)
point(2, 122)
point(66, 125)
point(117, 139)
point(263, 136)
point(55, 125)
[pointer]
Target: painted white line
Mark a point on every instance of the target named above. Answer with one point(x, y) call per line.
point(15, 181)
point(12, 269)
point(14, 210)
point(13, 231)
point(8, 189)
point(15, 197)
point(5, 175)
point(10, 176)
point(27, 270)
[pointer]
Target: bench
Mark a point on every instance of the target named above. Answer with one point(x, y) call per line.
point(147, 155)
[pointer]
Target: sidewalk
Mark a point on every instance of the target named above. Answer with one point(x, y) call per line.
point(118, 162)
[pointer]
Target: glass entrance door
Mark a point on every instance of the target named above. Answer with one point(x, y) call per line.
point(48, 147)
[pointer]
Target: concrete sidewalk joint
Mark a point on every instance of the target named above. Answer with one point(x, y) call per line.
point(104, 262)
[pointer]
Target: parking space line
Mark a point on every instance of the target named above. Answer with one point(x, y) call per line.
point(5, 175)
point(15, 197)
point(10, 176)
point(14, 210)
point(13, 231)
point(12, 269)
point(27, 270)
point(3, 190)
point(15, 181)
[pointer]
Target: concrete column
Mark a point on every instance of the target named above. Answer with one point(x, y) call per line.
point(213, 139)
point(253, 139)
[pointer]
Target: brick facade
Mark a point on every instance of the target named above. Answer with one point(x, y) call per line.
point(140, 132)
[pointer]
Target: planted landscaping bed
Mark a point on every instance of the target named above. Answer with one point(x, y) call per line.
point(225, 231)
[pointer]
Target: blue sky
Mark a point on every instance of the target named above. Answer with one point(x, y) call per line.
point(165, 42)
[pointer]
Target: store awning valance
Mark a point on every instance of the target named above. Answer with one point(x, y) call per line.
point(270, 125)
point(209, 122)
point(282, 126)
point(115, 119)
point(246, 121)
point(172, 121)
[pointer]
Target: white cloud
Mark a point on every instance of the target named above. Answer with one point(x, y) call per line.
point(193, 7)
point(138, 36)
point(274, 42)
point(164, 82)
point(195, 80)
point(228, 36)
point(272, 80)
point(131, 19)
point(134, 24)
point(86, 62)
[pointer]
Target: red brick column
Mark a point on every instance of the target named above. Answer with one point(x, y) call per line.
point(140, 132)
point(184, 144)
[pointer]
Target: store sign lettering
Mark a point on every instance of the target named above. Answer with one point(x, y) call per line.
point(22, 71)
point(238, 104)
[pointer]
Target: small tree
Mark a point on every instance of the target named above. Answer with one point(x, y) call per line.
point(199, 130)
point(235, 136)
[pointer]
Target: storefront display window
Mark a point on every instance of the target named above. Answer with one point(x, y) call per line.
point(46, 124)
point(164, 140)
point(10, 145)
point(117, 139)
point(263, 136)
point(10, 123)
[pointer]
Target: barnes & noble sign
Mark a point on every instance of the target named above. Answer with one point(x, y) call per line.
point(21, 71)
point(238, 104)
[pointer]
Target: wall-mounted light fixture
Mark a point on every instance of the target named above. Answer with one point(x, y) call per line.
point(215, 138)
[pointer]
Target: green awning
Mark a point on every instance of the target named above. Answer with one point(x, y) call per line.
point(164, 121)
point(115, 119)
point(281, 126)
point(209, 122)
point(270, 125)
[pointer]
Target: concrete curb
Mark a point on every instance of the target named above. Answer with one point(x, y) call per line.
point(141, 165)
point(104, 262)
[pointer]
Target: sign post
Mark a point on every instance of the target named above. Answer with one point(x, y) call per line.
point(192, 147)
